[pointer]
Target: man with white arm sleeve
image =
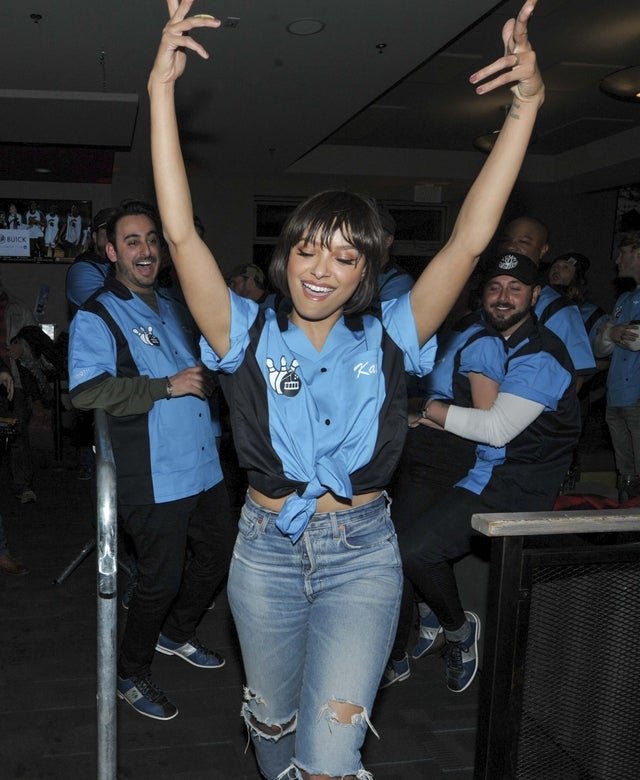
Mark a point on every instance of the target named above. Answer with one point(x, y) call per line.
point(525, 443)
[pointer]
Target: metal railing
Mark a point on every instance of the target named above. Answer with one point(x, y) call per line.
point(107, 569)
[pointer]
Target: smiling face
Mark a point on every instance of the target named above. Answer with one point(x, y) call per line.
point(323, 277)
point(507, 302)
point(526, 236)
point(136, 252)
point(330, 220)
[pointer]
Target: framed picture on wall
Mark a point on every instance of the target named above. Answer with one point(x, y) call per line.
point(420, 230)
point(44, 229)
point(627, 219)
point(628, 209)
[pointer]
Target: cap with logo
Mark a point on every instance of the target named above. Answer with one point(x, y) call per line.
point(580, 262)
point(249, 270)
point(513, 264)
point(101, 218)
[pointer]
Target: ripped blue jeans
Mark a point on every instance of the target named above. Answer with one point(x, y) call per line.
point(316, 622)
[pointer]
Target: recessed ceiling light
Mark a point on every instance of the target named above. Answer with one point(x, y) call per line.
point(305, 27)
point(485, 143)
point(43, 170)
point(623, 84)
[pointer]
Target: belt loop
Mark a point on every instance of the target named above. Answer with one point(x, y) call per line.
point(335, 529)
point(388, 501)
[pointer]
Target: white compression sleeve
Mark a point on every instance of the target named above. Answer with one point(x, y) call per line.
point(509, 416)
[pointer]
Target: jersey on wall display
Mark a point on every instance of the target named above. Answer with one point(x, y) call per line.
point(44, 229)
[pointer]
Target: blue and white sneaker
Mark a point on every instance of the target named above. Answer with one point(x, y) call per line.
point(430, 630)
point(145, 697)
point(462, 657)
point(193, 652)
point(396, 671)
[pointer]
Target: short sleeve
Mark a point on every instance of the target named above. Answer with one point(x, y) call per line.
point(538, 377)
point(243, 314)
point(398, 321)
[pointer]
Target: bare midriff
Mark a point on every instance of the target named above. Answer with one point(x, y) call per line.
point(327, 502)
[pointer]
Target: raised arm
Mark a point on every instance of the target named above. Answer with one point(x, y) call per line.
point(202, 282)
point(442, 281)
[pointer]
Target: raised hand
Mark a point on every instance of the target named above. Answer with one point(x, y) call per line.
point(518, 64)
point(171, 58)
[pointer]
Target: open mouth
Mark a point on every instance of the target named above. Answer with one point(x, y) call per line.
point(316, 290)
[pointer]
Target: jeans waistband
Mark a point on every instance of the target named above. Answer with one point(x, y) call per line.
point(350, 515)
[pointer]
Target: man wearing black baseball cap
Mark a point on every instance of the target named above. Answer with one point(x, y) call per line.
point(524, 447)
point(100, 220)
point(510, 291)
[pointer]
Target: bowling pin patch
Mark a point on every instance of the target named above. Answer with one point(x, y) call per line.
point(284, 380)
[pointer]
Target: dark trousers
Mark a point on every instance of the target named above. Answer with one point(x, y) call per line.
point(432, 462)
point(169, 596)
point(429, 546)
point(20, 457)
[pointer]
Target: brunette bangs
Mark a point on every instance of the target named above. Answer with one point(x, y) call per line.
point(316, 220)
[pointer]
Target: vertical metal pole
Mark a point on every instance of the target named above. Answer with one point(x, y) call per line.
point(57, 420)
point(107, 546)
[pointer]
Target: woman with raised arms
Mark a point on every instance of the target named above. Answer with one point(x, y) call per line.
point(318, 404)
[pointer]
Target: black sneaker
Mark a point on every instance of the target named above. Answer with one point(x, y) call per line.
point(145, 697)
point(462, 657)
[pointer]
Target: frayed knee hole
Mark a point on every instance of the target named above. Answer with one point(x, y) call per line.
point(274, 730)
point(345, 712)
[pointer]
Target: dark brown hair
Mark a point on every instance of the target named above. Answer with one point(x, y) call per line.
point(630, 238)
point(316, 220)
point(128, 208)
